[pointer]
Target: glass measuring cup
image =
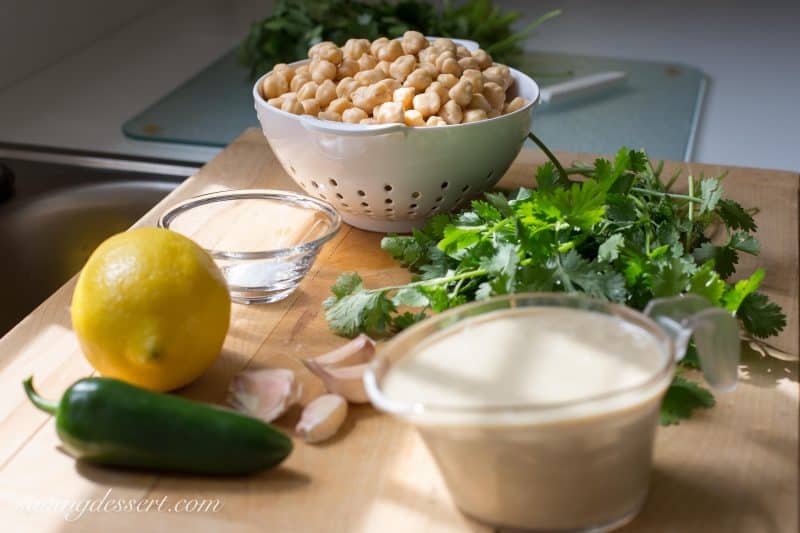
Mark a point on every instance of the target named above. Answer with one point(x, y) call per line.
point(578, 465)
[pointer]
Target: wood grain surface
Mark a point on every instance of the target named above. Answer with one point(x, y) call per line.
point(733, 468)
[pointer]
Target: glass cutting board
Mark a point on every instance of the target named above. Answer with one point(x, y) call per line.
point(657, 108)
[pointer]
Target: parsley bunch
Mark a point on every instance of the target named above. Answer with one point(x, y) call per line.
point(619, 233)
point(295, 25)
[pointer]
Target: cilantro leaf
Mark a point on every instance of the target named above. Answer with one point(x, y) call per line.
point(683, 397)
point(734, 216)
point(706, 282)
point(761, 318)
point(710, 194)
point(609, 250)
point(735, 295)
point(725, 258)
point(745, 242)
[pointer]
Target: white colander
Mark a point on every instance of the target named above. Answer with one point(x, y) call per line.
point(389, 177)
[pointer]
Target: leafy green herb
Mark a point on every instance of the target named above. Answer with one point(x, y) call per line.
point(620, 234)
point(295, 25)
point(682, 398)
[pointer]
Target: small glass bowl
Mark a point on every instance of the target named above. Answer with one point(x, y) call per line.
point(263, 240)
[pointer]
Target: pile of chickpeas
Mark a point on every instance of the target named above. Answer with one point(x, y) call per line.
point(408, 81)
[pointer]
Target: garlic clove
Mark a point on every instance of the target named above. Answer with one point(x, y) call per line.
point(347, 381)
point(265, 393)
point(322, 418)
point(357, 351)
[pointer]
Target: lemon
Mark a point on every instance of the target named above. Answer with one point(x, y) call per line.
point(151, 308)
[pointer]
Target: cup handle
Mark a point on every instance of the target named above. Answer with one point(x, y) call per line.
point(715, 332)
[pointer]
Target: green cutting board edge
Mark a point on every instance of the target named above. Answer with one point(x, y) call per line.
point(657, 108)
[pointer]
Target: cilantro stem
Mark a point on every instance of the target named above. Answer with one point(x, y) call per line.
point(676, 196)
point(434, 281)
point(563, 179)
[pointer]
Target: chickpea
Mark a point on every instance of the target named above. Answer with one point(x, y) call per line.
point(276, 102)
point(346, 87)
point(462, 51)
point(427, 103)
point(494, 94)
point(326, 93)
point(430, 69)
point(436, 121)
point(368, 121)
point(355, 48)
point(414, 118)
point(461, 92)
point(428, 55)
point(442, 57)
point(419, 79)
point(405, 96)
point(367, 62)
point(331, 53)
point(367, 98)
point(499, 74)
point(310, 107)
point(284, 70)
point(445, 44)
point(475, 78)
point(309, 90)
point(515, 105)
point(479, 102)
point(383, 66)
point(467, 63)
point(368, 77)
point(377, 44)
point(390, 84)
point(302, 69)
point(390, 51)
point(323, 70)
point(330, 115)
point(402, 67)
point(353, 115)
point(413, 42)
point(450, 66)
point(291, 105)
point(274, 85)
point(447, 80)
point(440, 90)
point(484, 59)
point(451, 112)
point(390, 112)
point(348, 68)
point(300, 79)
point(314, 50)
point(493, 113)
point(339, 105)
point(289, 95)
point(474, 115)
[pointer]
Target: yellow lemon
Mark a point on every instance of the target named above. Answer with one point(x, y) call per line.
point(151, 308)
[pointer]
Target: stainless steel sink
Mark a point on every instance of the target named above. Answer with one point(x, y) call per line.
point(60, 208)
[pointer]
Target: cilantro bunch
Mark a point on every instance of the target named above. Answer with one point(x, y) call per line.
point(618, 232)
point(295, 25)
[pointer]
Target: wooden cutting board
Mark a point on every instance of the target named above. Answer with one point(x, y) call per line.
point(731, 468)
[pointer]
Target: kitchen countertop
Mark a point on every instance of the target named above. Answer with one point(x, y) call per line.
point(747, 50)
point(732, 468)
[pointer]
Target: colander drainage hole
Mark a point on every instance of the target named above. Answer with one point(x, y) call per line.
point(465, 188)
point(489, 175)
point(387, 188)
point(439, 199)
point(315, 184)
point(445, 185)
point(333, 182)
point(339, 196)
point(361, 193)
point(412, 206)
point(365, 204)
point(322, 195)
point(388, 201)
point(416, 194)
